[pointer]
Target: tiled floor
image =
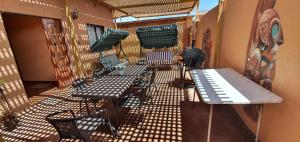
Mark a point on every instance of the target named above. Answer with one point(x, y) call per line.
point(171, 117)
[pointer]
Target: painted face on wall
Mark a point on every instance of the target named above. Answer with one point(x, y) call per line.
point(206, 46)
point(262, 56)
point(270, 33)
point(264, 44)
point(267, 4)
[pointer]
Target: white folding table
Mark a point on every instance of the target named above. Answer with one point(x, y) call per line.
point(226, 86)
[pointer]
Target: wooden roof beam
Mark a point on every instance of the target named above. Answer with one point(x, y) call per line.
point(109, 6)
point(154, 4)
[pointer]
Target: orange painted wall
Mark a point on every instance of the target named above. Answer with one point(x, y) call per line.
point(25, 37)
point(89, 12)
point(13, 85)
point(281, 122)
point(209, 20)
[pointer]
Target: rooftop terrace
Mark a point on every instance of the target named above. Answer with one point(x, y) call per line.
point(174, 117)
point(149, 70)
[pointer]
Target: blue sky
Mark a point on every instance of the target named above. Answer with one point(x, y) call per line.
point(204, 6)
point(208, 4)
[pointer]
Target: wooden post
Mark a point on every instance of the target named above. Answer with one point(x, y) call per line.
point(121, 50)
point(115, 20)
point(219, 34)
point(74, 48)
point(141, 48)
point(195, 24)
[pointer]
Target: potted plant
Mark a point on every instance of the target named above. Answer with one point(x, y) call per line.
point(7, 118)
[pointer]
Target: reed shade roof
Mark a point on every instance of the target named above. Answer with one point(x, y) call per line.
point(164, 36)
point(109, 39)
point(146, 8)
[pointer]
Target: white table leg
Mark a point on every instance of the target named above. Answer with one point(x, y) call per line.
point(258, 123)
point(209, 122)
point(194, 94)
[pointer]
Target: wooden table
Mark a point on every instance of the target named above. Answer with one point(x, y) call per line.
point(226, 86)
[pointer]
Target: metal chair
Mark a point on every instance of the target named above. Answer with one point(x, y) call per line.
point(149, 79)
point(98, 73)
point(109, 61)
point(187, 66)
point(79, 84)
point(141, 61)
point(193, 59)
point(69, 126)
point(141, 94)
point(158, 58)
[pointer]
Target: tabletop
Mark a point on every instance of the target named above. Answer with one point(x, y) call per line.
point(226, 86)
point(130, 70)
point(106, 87)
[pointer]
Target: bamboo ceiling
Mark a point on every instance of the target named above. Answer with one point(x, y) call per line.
point(146, 8)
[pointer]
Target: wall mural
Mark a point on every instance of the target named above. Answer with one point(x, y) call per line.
point(265, 38)
point(206, 46)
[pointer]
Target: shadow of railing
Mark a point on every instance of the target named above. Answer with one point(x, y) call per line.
point(171, 117)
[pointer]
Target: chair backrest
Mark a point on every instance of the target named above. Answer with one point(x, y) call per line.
point(105, 62)
point(114, 60)
point(109, 61)
point(65, 124)
point(151, 76)
point(141, 61)
point(148, 76)
point(79, 84)
point(99, 73)
point(147, 81)
point(159, 57)
point(194, 57)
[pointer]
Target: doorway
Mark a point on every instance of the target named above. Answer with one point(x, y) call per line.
point(29, 41)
